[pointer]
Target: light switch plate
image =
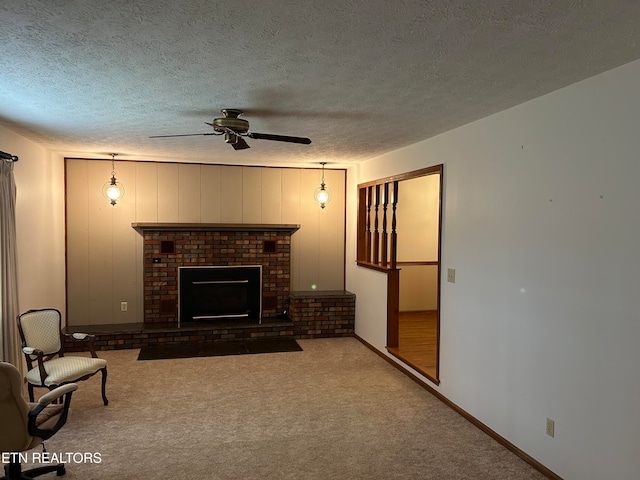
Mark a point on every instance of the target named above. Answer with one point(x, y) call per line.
point(451, 275)
point(551, 427)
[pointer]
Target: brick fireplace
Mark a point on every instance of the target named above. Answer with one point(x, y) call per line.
point(168, 246)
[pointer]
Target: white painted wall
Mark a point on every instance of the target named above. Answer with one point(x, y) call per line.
point(39, 176)
point(418, 288)
point(417, 227)
point(417, 219)
point(541, 224)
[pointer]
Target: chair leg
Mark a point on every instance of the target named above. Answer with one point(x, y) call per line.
point(104, 385)
point(30, 388)
point(36, 472)
point(13, 471)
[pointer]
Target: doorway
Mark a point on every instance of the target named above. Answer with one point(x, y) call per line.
point(418, 224)
point(399, 232)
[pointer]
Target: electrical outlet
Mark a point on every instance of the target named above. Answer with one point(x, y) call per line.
point(551, 425)
point(124, 306)
point(451, 275)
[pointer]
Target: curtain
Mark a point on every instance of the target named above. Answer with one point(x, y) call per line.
point(9, 346)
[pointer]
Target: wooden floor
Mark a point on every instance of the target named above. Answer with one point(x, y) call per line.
point(418, 340)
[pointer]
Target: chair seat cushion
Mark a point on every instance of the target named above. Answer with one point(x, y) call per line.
point(66, 369)
point(50, 412)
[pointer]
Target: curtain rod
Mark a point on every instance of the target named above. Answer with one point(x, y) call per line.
point(8, 156)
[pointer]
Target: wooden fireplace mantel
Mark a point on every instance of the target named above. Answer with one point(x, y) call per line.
point(141, 227)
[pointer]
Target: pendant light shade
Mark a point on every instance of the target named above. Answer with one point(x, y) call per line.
point(113, 190)
point(322, 194)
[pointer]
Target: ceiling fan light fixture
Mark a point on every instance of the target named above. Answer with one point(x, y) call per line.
point(231, 138)
point(322, 194)
point(113, 190)
point(235, 129)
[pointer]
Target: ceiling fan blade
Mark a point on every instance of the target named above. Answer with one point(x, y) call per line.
point(184, 135)
point(240, 144)
point(279, 138)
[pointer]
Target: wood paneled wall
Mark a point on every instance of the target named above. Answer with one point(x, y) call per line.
point(104, 254)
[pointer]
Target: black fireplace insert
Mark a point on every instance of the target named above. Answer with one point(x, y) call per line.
point(208, 293)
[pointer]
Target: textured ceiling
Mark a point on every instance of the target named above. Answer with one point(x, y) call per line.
point(359, 77)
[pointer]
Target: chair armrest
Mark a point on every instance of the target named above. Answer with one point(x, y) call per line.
point(84, 336)
point(32, 351)
point(63, 391)
point(80, 336)
point(39, 354)
point(56, 393)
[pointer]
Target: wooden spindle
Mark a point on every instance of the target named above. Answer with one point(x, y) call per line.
point(385, 235)
point(368, 228)
point(394, 236)
point(376, 233)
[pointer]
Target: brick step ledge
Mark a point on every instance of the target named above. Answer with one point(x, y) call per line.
point(138, 335)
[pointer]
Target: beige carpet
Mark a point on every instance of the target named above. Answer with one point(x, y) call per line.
point(333, 411)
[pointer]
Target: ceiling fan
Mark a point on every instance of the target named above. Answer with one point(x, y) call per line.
point(234, 129)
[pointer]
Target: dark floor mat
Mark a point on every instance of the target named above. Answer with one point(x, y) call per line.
point(216, 349)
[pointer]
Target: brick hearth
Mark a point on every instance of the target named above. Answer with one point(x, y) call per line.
point(314, 314)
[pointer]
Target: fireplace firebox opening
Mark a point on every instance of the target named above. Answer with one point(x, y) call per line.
point(208, 293)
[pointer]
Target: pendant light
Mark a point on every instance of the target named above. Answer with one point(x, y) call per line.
point(113, 190)
point(322, 194)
